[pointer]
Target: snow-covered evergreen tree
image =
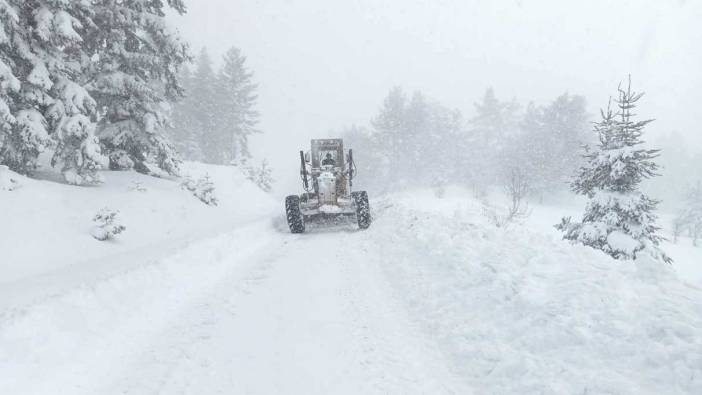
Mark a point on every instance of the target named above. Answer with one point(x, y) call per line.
point(106, 225)
point(619, 219)
point(71, 115)
point(133, 78)
point(237, 93)
point(11, 147)
point(42, 47)
point(202, 188)
point(261, 176)
point(9, 83)
point(78, 149)
point(187, 132)
point(204, 98)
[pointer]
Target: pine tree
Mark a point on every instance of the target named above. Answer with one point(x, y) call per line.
point(187, 132)
point(389, 134)
point(78, 149)
point(237, 102)
point(9, 87)
point(134, 77)
point(45, 49)
point(619, 219)
point(204, 97)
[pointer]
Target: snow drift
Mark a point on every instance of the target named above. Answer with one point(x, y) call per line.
point(519, 311)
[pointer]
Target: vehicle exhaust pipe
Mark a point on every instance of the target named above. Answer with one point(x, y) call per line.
point(350, 167)
point(303, 171)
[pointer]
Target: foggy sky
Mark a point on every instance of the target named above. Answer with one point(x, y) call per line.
point(325, 64)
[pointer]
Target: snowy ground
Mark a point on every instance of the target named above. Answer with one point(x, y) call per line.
point(431, 299)
point(45, 230)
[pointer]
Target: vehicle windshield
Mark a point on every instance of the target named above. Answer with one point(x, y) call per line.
point(327, 158)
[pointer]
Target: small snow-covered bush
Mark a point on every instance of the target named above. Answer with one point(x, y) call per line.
point(202, 189)
point(106, 225)
point(260, 175)
point(439, 184)
point(7, 181)
point(119, 160)
point(137, 186)
point(516, 188)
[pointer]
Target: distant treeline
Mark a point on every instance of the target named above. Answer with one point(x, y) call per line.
point(214, 121)
point(415, 141)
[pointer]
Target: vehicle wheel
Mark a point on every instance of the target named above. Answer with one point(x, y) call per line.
point(292, 212)
point(363, 216)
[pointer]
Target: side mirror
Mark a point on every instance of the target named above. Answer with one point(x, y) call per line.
point(307, 156)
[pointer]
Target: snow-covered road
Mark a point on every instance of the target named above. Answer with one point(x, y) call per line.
point(256, 310)
point(431, 299)
point(301, 314)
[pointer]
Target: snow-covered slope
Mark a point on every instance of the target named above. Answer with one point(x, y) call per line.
point(431, 299)
point(520, 311)
point(45, 239)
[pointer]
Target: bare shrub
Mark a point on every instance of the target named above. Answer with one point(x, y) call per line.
point(516, 188)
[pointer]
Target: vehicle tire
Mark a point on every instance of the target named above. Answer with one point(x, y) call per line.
point(363, 216)
point(292, 212)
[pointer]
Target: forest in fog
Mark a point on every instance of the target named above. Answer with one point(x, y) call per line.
point(356, 197)
point(79, 86)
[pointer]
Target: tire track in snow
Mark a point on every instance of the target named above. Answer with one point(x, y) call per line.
point(292, 321)
point(256, 311)
point(398, 358)
point(80, 339)
point(167, 366)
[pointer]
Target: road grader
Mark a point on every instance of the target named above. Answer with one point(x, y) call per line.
point(327, 174)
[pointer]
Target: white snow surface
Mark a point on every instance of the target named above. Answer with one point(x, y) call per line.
point(45, 239)
point(431, 299)
point(520, 311)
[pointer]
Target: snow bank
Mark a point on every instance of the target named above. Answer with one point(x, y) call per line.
point(45, 240)
point(78, 341)
point(687, 259)
point(521, 311)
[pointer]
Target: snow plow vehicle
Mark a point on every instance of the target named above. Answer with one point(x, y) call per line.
point(327, 174)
